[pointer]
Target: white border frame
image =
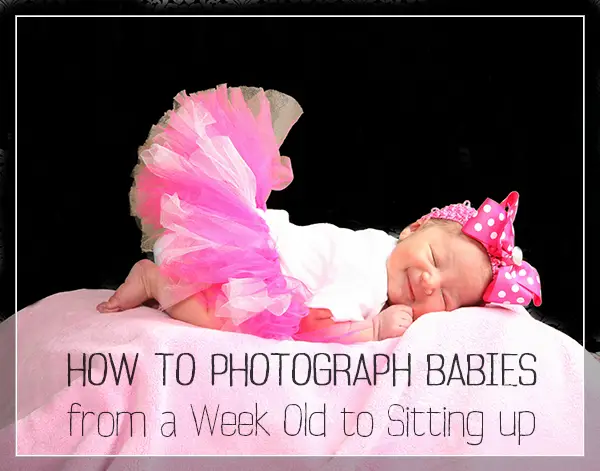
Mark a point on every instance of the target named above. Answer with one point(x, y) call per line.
point(290, 16)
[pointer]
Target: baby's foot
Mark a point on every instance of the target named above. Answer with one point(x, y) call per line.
point(134, 292)
point(392, 322)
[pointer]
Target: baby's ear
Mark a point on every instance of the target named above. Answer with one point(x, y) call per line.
point(408, 230)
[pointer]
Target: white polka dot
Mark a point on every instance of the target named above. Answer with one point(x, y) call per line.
point(506, 302)
point(501, 216)
point(522, 272)
point(475, 213)
point(478, 227)
point(487, 208)
point(530, 280)
point(538, 279)
point(520, 300)
point(514, 274)
point(493, 235)
point(509, 248)
point(501, 294)
point(507, 276)
point(491, 222)
point(503, 236)
point(515, 288)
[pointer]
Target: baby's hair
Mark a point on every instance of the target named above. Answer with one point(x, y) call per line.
point(430, 222)
point(442, 222)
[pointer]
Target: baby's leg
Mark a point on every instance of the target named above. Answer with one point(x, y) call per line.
point(195, 310)
point(145, 282)
point(136, 289)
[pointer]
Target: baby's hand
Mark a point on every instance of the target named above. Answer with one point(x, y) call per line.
point(392, 322)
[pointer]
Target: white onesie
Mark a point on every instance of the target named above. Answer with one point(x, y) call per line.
point(345, 270)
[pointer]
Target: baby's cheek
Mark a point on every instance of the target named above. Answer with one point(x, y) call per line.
point(425, 308)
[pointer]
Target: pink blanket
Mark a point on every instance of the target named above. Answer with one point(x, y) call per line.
point(298, 410)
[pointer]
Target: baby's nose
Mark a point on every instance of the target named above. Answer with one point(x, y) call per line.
point(431, 283)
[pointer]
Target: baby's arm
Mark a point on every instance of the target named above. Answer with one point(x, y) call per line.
point(391, 322)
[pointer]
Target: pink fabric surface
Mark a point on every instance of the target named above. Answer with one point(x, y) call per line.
point(68, 323)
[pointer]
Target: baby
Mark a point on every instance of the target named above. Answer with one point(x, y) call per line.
point(445, 260)
point(225, 261)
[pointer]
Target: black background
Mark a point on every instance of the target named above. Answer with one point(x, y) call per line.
point(401, 114)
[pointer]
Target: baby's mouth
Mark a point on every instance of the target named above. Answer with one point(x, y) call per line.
point(410, 292)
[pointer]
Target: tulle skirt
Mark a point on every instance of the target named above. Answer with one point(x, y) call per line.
point(201, 187)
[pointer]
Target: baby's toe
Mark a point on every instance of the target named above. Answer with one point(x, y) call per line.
point(106, 307)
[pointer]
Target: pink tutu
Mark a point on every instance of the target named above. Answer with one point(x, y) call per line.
point(203, 180)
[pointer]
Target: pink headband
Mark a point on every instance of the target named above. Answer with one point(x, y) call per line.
point(514, 280)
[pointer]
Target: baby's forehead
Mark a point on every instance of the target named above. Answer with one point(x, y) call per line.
point(465, 254)
point(444, 231)
point(451, 232)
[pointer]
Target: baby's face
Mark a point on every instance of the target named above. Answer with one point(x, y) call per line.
point(435, 268)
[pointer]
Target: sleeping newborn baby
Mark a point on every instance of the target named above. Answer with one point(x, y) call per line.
point(224, 261)
point(367, 285)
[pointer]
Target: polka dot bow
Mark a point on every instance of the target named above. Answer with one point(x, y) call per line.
point(514, 281)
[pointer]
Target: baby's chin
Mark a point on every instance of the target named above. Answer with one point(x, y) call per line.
point(396, 297)
point(418, 313)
